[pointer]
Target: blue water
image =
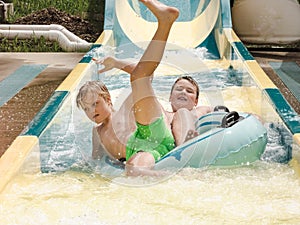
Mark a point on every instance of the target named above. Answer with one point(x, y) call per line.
point(217, 79)
point(189, 9)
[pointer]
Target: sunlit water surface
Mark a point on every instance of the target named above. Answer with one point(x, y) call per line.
point(263, 193)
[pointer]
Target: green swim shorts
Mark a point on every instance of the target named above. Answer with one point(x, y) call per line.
point(155, 138)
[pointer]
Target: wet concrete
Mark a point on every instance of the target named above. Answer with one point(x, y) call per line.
point(16, 114)
point(264, 57)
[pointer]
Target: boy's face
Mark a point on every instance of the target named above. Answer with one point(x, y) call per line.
point(96, 108)
point(184, 95)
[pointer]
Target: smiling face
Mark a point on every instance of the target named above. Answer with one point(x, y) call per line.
point(184, 94)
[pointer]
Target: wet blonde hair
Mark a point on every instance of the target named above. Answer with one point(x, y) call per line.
point(96, 88)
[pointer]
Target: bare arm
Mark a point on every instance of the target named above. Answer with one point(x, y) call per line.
point(111, 63)
point(202, 110)
point(98, 150)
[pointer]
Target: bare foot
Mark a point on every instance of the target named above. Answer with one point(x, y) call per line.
point(140, 164)
point(162, 12)
point(191, 134)
point(135, 171)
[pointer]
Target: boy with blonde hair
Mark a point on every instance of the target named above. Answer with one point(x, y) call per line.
point(139, 131)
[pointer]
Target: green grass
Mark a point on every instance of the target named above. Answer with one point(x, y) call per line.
point(74, 7)
point(32, 45)
point(29, 45)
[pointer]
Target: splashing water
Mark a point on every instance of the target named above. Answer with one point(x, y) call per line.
point(72, 192)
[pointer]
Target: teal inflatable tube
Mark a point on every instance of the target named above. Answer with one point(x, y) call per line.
point(223, 141)
point(226, 139)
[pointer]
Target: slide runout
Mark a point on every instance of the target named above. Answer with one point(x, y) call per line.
point(226, 46)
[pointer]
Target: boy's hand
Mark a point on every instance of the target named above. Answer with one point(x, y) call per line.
point(108, 63)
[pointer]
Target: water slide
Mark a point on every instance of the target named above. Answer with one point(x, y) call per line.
point(197, 25)
point(202, 24)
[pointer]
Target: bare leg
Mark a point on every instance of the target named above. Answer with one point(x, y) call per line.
point(141, 163)
point(183, 126)
point(146, 106)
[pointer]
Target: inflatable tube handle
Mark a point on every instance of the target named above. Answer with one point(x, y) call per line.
point(221, 108)
point(230, 119)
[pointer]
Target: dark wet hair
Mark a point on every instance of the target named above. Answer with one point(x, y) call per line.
point(191, 80)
